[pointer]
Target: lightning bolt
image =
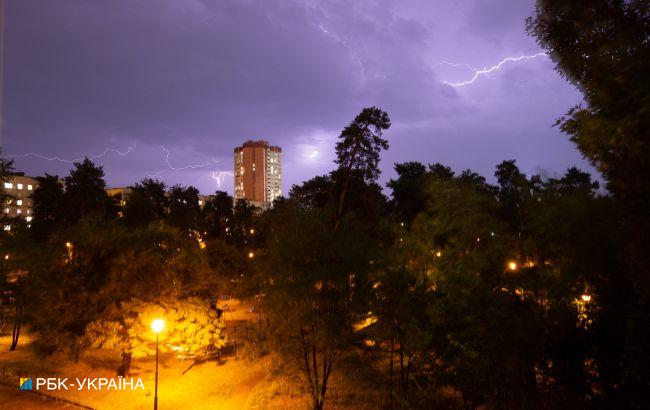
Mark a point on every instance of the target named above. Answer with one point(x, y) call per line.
point(219, 176)
point(449, 63)
point(347, 45)
point(195, 166)
point(155, 174)
point(72, 161)
point(484, 71)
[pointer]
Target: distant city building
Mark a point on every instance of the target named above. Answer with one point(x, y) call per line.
point(19, 188)
point(258, 173)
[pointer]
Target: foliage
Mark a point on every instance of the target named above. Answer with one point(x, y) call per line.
point(184, 210)
point(315, 280)
point(85, 192)
point(96, 263)
point(49, 206)
point(217, 216)
point(192, 328)
point(360, 143)
point(602, 47)
point(146, 202)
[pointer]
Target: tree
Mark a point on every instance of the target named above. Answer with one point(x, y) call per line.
point(193, 329)
point(49, 206)
point(358, 150)
point(407, 190)
point(85, 192)
point(602, 47)
point(97, 263)
point(243, 222)
point(484, 339)
point(147, 202)
point(22, 259)
point(401, 301)
point(184, 210)
point(315, 279)
point(365, 201)
point(217, 216)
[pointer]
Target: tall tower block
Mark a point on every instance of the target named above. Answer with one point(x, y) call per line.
point(258, 173)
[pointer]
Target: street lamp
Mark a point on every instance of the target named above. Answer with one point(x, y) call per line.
point(157, 326)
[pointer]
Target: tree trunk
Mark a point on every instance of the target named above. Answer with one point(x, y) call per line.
point(126, 362)
point(16, 332)
point(345, 186)
point(401, 367)
point(392, 369)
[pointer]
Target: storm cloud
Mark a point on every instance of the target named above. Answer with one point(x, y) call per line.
point(182, 82)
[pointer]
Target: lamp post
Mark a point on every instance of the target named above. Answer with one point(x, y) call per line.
point(157, 326)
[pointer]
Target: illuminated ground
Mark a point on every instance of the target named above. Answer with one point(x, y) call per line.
point(230, 383)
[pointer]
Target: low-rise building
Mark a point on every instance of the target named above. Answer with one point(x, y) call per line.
point(19, 189)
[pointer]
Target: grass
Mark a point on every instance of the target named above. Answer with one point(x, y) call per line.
point(209, 385)
point(244, 383)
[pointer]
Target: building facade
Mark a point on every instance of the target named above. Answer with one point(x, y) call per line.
point(19, 189)
point(258, 173)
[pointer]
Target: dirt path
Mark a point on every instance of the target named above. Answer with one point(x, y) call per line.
point(15, 399)
point(240, 395)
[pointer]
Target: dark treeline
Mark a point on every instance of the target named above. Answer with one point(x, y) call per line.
point(528, 292)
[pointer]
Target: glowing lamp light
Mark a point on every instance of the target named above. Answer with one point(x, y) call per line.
point(512, 265)
point(68, 244)
point(158, 325)
point(438, 254)
point(586, 298)
point(250, 255)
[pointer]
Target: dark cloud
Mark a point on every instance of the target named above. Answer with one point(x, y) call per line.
point(199, 77)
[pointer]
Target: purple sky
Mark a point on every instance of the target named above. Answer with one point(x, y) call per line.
point(199, 77)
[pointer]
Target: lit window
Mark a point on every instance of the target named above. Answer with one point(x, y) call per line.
point(7, 227)
point(29, 187)
point(8, 185)
point(19, 211)
point(19, 201)
point(19, 186)
point(28, 218)
point(6, 210)
point(200, 202)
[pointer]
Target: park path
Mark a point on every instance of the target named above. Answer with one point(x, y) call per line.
point(14, 399)
point(241, 394)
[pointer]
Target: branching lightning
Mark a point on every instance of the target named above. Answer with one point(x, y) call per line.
point(484, 71)
point(220, 176)
point(195, 166)
point(72, 161)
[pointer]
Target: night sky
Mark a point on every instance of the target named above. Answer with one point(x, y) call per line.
point(169, 88)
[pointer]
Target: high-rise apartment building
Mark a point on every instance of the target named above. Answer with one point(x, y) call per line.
point(258, 173)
